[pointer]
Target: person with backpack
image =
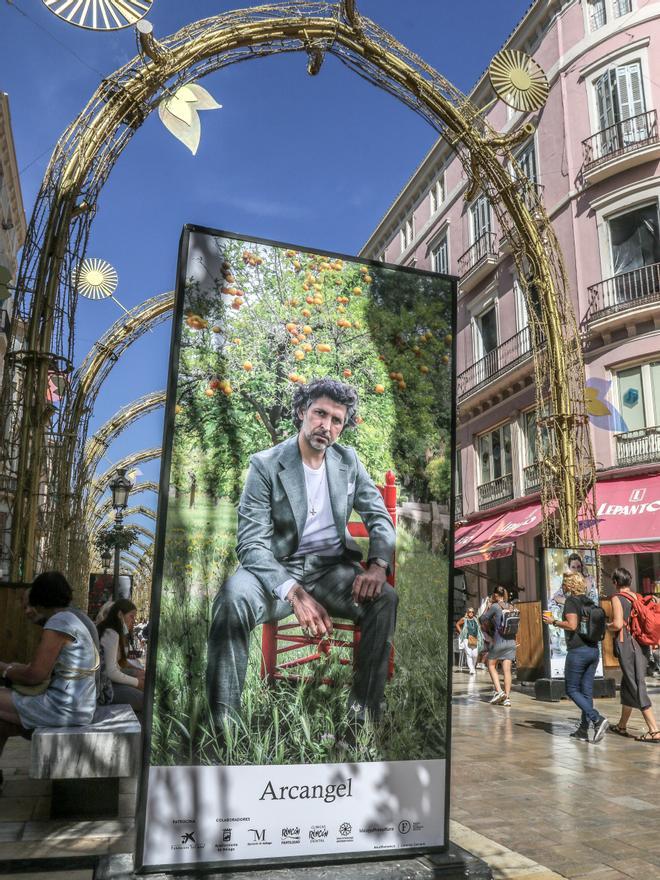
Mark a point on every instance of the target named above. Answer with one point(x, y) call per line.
point(632, 620)
point(502, 620)
point(583, 623)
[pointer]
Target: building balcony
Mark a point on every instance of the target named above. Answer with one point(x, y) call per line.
point(498, 362)
point(619, 295)
point(458, 506)
point(638, 447)
point(478, 260)
point(621, 146)
point(495, 492)
point(531, 478)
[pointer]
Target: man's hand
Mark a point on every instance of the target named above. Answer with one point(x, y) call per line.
point(369, 585)
point(310, 614)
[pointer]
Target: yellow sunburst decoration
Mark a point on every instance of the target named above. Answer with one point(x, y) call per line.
point(96, 279)
point(518, 80)
point(100, 15)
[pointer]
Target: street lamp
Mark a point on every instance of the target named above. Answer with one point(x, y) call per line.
point(120, 487)
point(106, 559)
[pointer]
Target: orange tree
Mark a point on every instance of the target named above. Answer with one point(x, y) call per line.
point(261, 319)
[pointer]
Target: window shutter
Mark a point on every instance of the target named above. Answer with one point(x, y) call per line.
point(630, 90)
point(605, 101)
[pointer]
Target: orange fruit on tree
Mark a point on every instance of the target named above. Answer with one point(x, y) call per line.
point(209, 392)
point(423, 369)
point(341, 309)
point(299, 355)
point(448, 339)
point(291, 327)
point(247, 366)
point(368, 279)
point(323, 347)
point(307, 347)
point(359, 420)
point(309, 299)
point(307, 330)
point(293, 377)
point(379, 389)
point(445, 359)
point(402, 385)
point(236, 303)
point(347, 373)
point(229, 278)
point(236, 340)
point(394, 375)
point(296, 265)
point(216, 329)
point(306, 313)
point(357, 291)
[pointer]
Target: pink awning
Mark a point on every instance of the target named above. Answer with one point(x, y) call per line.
point(494, 536)
point(628, 514)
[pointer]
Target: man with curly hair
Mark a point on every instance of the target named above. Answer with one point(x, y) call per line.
point(296, 555)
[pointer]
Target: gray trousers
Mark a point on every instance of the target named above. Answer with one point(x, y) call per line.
point(242, 603)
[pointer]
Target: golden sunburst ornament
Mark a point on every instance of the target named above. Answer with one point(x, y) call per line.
point(100, 15)
point(96, 279)
point(518, 80)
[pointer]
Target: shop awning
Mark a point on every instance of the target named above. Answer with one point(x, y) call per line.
point(628, 514)
point(494, 536)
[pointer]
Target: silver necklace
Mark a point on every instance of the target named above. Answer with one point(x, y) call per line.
point(312, 507)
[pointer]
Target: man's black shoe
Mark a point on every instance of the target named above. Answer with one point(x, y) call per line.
point(581, 733)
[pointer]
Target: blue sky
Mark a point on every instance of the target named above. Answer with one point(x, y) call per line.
point(311, 160)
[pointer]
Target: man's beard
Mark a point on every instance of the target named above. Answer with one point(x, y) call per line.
point(317, 443)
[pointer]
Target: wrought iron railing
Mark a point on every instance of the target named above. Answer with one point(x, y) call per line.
point(621, 138)
point(638, 447)
point(490, 494)
point(484, 246)
point(629, 290)
point(458, 506)
point(532, 477)
point(530, 191)
point(502, 358)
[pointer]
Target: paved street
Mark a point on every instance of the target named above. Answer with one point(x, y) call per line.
point(531, 802)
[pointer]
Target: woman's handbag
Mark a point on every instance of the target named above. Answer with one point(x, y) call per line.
point(472, 641)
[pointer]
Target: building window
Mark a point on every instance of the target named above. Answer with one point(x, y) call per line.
point(480, 221)
point(526, 159)
point(622, 7)
point(437, 194)
point(597, 12)
point(494, 454)
point(639, 396)
point(440, 257)
point(635, 239)
point(621, 107)
point(407, 233)
point(485, 326)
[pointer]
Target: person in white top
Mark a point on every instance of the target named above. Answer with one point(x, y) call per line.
point(296, 555)
point(127, 678)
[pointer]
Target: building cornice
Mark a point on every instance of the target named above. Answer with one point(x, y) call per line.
point(12, 178)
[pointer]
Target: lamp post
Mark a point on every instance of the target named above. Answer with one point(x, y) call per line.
point(120, 487)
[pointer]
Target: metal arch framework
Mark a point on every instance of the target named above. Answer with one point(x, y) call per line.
point(99, 442)
point(86, 153)
point(100, 483)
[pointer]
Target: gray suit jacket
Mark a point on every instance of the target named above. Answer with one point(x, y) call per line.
point(273, 509)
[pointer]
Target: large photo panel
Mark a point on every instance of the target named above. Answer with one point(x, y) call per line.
point(299, 703)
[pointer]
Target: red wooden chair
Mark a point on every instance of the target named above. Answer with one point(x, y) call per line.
point(279, 639)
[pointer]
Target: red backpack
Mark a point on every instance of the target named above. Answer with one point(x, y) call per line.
point(644, 620)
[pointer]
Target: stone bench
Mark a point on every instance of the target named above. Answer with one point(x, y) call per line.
point(86, 763)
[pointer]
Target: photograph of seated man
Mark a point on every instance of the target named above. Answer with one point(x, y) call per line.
point(296, 556)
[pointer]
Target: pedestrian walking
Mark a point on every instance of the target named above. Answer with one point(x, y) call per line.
point(632, 661)
point(581, 657)
point(502, 648)
point(470, 638)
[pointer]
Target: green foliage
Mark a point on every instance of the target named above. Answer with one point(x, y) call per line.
point(438, 473)
point(111, 538)
point(257, 323)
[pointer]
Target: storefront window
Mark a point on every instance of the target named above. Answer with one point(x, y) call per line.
point(648, 573)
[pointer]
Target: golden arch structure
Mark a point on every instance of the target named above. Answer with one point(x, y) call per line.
point(38, 447)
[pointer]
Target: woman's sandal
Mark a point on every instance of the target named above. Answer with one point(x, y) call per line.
point(620, 731)
point(651, 736)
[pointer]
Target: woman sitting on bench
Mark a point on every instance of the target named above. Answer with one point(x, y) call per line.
point(127, 679)
point(57, 688)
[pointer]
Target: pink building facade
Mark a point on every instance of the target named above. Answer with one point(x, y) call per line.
point(595, 158)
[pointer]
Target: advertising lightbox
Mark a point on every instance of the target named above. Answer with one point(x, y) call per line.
point(298, 706)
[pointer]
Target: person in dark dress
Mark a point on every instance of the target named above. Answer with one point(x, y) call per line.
point(631, 660)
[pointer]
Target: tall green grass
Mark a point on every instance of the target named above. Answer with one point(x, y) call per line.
point(286, 722)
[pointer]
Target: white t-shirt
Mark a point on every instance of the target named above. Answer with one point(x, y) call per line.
point(320, 533)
